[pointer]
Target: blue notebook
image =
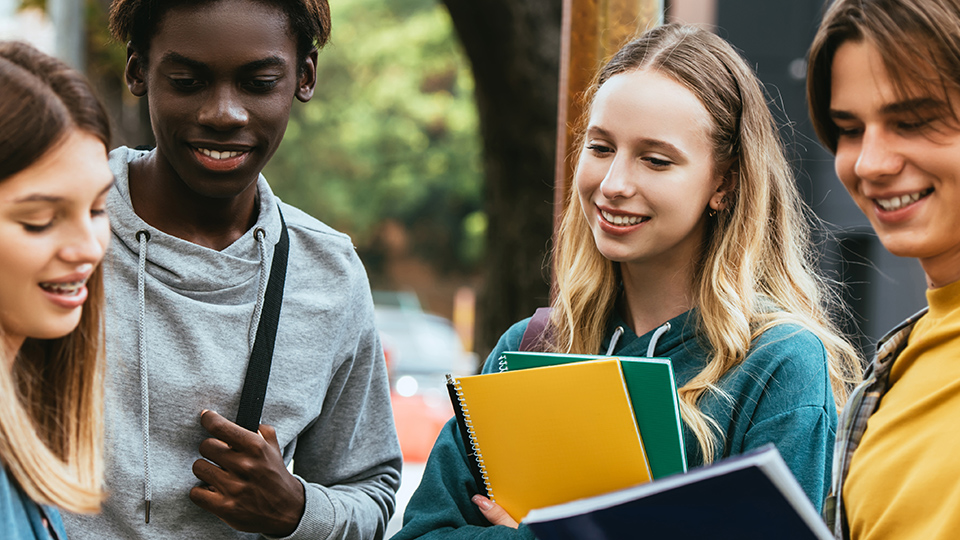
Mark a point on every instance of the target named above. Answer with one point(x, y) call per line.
point(753, 496)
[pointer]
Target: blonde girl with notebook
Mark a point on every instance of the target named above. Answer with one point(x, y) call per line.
point(54, 179)
point(684, 237)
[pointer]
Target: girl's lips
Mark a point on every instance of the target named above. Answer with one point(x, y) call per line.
point(628, 222)
point(621, 219)
point(72, 300)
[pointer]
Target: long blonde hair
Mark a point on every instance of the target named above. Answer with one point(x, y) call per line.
point(756, 269)
point(51, 399)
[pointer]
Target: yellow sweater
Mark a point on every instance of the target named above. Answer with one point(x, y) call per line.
point(904, 480)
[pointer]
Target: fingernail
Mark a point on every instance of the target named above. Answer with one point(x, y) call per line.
point(204, 412)
point(482, 502)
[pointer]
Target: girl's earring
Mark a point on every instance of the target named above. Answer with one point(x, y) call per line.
point(712, 212)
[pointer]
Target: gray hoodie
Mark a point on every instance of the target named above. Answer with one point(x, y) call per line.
point(187, 315)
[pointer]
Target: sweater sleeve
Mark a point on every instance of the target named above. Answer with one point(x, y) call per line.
point(441, 505)
point(804, 436)
point(349, 458)
point(792, 407)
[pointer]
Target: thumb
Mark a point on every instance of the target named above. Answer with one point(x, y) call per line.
point(494, 513)
point(269, 434)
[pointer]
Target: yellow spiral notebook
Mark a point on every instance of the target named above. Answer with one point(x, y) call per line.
point(545, 436)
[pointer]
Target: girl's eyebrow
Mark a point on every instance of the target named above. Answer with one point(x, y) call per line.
point(39, 197)
point(43, 197)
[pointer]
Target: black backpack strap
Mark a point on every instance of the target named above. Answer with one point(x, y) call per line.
point(258, 370)
point(533, 335)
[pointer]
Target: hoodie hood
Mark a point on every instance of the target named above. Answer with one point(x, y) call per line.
point(183, 265)
point(678, 339)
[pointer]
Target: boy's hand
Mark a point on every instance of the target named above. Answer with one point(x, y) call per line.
point(247, 484)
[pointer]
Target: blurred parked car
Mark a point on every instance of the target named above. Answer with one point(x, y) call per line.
point(419, 346)
point(420, 349)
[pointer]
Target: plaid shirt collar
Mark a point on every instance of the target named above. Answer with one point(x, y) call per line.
point(861, 404)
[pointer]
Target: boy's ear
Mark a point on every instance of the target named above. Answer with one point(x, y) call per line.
point(307, 80)
point(134, 72)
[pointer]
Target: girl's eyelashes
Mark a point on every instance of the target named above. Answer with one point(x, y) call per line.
point(658, 162)
point(599, 149)
point(602, 150)
point(36, 228)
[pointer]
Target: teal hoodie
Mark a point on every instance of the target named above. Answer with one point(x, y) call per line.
point(23, 519)
point(780, 394)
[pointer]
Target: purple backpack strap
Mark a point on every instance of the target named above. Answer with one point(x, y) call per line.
point(535, 329)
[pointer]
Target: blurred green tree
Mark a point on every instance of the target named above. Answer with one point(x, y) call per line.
point(390, 135)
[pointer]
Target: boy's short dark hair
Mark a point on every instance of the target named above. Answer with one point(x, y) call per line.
point(136, 21)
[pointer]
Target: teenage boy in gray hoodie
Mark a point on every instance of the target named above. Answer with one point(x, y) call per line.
point(195, 225)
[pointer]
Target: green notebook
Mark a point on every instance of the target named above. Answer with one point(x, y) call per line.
point(653, 393)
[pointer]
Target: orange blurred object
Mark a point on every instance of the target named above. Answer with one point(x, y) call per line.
point(419, 420)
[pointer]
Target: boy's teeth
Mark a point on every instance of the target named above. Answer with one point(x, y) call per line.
point(621, 220)
point(65, 289)
point(896, 203)
point(218, 155)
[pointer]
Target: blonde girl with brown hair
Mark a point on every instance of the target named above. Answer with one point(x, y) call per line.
point(684, 237)
point(53, 233)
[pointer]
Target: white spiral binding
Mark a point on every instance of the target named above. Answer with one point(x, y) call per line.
point(502, 364)
point(474, 446)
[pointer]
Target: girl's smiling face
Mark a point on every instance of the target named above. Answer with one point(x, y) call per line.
point(647, 174)
point(53, 233)
point(899, 158)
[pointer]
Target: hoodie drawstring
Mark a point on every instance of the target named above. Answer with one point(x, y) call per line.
point(618, 331)
point(260, 235)
point(656, 337)
point(142, 238)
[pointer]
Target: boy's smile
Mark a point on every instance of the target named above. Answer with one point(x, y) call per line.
point(897, 156)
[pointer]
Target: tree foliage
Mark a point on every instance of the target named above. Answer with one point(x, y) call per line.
point(391, 133)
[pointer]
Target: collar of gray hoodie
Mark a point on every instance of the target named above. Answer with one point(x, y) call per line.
point(182, 265)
